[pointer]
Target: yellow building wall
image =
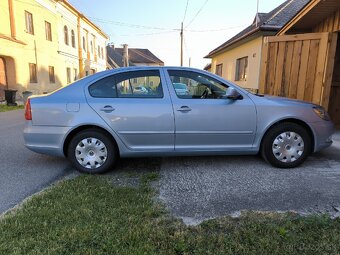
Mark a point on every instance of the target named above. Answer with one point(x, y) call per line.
point(252, 50)
point(24, 48)
point(30, 48)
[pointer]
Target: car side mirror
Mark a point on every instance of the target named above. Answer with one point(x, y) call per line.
point(232, 94)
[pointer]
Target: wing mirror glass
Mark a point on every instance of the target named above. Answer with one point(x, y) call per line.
point(232, 94)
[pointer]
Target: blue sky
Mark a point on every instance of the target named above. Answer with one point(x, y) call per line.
point(155, 24)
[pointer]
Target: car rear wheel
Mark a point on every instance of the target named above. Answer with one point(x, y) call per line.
point(286, 145)
point(92, 151)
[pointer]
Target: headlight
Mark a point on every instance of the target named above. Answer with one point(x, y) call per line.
point(321, 112)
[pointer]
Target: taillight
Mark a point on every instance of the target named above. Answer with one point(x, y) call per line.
point(28, 111)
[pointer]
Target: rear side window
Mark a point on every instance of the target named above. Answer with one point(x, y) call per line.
point(134, 84)
point(139, 84)
point(104, 88)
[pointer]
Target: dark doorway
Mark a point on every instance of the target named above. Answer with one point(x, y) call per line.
point(334, 101)
point(3, 78)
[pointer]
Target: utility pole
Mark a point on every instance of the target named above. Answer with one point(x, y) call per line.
point(182, 44)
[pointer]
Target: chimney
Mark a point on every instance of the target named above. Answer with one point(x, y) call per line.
point(125, 55)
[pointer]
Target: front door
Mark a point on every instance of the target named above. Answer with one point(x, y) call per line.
point(3, 78)
point(205, 120)
point(137, 106)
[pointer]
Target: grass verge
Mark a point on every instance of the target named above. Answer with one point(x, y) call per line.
point(88, 215)
point(6, 108)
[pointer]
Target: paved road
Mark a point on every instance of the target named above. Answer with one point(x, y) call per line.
point(199, 188)
point(23, 172)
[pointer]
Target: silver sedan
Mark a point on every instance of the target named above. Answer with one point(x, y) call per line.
point(100, 118)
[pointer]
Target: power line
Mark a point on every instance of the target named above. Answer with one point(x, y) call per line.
point(198, 12)
point(156, 33)
point(185, 13)
point(117, 23)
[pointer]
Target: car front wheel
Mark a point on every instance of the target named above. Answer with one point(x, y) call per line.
point(92, 151)
point(286, 145)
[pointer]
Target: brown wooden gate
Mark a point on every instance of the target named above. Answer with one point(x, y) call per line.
point(299, 66)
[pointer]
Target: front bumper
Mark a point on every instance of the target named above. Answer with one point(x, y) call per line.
point(323, 131)
point(45, 139)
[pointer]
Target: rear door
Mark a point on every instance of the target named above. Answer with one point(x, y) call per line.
point(137, 106)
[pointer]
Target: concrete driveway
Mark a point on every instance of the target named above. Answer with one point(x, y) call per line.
point(200, 188)
point(23, 172)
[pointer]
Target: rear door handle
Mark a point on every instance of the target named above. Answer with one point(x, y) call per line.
point(184, 108)
point(107, 108)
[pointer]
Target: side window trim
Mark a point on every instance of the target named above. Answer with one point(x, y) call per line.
point(132, 95)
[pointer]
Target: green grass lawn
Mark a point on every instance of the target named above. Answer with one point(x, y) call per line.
point(89, 215)
point(5, 108)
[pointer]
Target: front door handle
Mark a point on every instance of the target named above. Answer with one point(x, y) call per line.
point(184, 108)
point(107, 109)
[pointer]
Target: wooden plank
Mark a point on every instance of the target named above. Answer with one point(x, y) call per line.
point(336, 21)
point(264, 66)
point(320, 69)
point(279, 68)
point(301, 84)
point(331, 23)
point(295, 37)
point(271, 68)
point(295, 69)
point(324, 27)
point(287, 69)
point(329, 70)
point(312, 62)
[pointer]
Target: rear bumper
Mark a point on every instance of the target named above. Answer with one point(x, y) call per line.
point(323, 131)
point(45, 139)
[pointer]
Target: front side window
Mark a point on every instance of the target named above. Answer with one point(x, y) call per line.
point(29, 22)
point(192, 85)
point(135, 84)
point(241, 69)
point(48, 31)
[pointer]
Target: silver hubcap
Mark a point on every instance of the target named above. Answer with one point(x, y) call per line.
point(288, 147)
point(91, 153)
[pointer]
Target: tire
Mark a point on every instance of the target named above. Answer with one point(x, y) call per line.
point(92, 151)
point(286, 145)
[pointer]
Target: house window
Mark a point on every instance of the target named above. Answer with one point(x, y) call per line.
point(48, 31)
point(98, 51)
point(75, 74)
point(91, 47)
point(66, 35)
point(84, 44)
point(51, 74)
point(73, 39)
point(33, 73)
point(29, 22)
point(241, 69)
point(219, 69)
point(68, 74)
point(102, 53)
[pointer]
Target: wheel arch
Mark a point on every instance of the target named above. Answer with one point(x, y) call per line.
point(81, 128)
point(291, 120)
